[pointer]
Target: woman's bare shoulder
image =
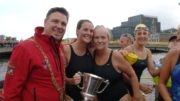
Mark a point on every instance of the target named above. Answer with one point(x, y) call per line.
point(174, 51)
point(117, 56)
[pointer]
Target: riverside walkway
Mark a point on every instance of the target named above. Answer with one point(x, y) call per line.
point(5, 52)
point(6, 49)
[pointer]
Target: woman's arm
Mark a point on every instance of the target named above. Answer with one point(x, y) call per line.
point(151, 68)
point(165, 74)
point(66, 55)
point(122, 65)
point(76, 78)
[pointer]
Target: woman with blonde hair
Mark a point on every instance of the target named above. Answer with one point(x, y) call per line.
point(144, 55)
point(110, 64)
point(125, 40)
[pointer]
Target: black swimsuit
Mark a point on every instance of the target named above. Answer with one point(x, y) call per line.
point(139, 67)
point(78, 63)
point(116, 88)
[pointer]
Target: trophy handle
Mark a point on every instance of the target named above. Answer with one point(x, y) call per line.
point(107, 83)
point(81, 74)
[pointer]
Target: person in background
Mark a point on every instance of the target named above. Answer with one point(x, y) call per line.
point(109, 64)
point(178, 37)
point(79, 58)
point(36, 68)
point(171, 45)
point(178, 33)
point(172, 42)
point(170, 68)
point(144, 57)
point(125, 40)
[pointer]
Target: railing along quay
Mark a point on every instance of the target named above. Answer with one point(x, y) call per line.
point(152, 47)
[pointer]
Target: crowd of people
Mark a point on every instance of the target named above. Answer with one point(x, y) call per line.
point(41, 68)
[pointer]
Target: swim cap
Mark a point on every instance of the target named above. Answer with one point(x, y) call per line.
point(141, 27)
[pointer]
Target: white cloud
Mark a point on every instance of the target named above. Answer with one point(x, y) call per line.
point(19, 17)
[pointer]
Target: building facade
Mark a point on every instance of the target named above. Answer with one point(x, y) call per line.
point(128, 26)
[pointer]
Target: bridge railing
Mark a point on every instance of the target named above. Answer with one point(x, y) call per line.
point(149, 43)
point(154, 46)
point(158, 43)
point(8, 44)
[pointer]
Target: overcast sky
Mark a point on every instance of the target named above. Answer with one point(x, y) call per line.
point(19, 17)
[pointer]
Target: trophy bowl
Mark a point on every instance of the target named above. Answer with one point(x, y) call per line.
point(91, 85)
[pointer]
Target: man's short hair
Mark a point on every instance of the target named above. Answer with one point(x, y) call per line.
point(58, 9)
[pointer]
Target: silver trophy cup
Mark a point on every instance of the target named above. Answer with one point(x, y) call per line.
point(91, 84)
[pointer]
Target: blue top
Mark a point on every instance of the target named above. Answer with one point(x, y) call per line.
point(175, 76)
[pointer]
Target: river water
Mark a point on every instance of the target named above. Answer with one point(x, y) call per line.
point(146, 78)
point(3, 65)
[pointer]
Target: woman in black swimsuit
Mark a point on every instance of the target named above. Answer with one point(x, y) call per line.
point(110, 64)
point(144, 56)
point(78, 58)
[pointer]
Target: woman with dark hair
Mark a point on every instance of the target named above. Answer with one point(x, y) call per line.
point(78, 58)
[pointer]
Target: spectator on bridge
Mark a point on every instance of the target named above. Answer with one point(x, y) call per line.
point(125, 40)
point(36, 68)
point(144, 56)
point(173, 42)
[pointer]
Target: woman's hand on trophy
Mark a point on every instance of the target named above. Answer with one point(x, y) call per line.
point(76, 79)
